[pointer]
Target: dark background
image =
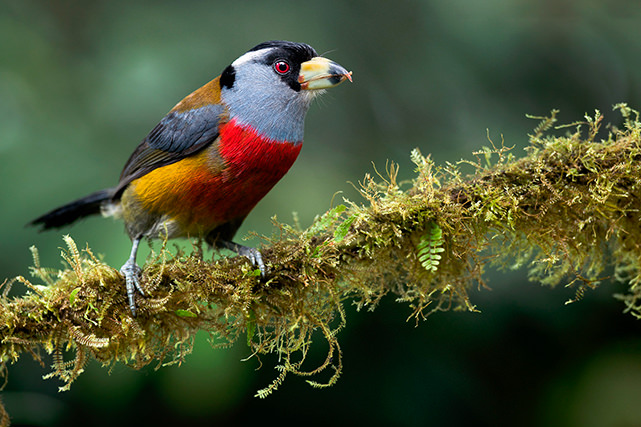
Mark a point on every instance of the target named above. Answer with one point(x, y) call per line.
point(82, 82)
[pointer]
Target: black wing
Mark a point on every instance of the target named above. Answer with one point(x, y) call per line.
point(178, 135)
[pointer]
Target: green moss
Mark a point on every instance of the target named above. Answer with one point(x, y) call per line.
point(569, 209)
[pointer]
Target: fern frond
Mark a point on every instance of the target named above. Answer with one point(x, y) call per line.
point(430, 247)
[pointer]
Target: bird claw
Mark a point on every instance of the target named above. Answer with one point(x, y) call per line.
point(131, 273)
point(252, 254)
point(254, 257)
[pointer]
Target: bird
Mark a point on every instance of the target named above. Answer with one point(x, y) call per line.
point(214, 156)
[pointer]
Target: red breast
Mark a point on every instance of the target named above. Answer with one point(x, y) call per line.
point(221, 183)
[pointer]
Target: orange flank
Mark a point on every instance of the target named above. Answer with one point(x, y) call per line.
point(181, 191)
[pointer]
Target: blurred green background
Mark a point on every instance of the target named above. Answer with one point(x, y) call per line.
point(82, 82)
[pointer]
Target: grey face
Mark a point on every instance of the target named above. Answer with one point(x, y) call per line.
point(261, 90)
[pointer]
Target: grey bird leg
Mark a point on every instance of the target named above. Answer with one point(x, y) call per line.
point(131, 272)
point(253, 254)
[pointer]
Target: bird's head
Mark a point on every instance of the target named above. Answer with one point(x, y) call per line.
point(270, 87)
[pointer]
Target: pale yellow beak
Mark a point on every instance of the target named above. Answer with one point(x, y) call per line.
point(322, 73)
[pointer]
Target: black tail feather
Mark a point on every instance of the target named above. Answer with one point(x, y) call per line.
point(64, 215)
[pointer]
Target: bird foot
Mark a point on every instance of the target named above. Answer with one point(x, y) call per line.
point(252, 254)
point(255, 258)
point(131, 273)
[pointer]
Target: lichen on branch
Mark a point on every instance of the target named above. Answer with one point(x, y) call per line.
point(569, 209)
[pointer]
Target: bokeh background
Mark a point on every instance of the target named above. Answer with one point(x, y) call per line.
point(82, 82)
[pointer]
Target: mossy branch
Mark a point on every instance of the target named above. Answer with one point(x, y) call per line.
point(570, 209)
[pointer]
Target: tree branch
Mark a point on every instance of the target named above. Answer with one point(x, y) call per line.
point(569, 210)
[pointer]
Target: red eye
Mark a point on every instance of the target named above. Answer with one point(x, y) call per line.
point(281, 67)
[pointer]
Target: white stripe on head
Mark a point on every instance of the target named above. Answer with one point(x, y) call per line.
point(249, 56)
